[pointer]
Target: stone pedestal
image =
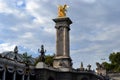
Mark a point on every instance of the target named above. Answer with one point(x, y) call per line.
point(62, 62)
point(40, 65)
point(62, 57)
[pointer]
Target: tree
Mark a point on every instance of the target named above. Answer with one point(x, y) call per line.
point(26, 58)
point(114, 65)
point(115, 58)
point(48, 60)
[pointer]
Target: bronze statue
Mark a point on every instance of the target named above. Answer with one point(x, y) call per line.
point(81, 67)
point(62, 10)
point(16, 49)
point(42, 51)
point(89, 67)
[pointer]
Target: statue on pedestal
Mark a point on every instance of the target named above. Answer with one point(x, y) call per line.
point(100, 69)
point(42, 51)
point(99, 66)
point(81, 67)
point(16, 52)
point(16, 49)
point(89, 67)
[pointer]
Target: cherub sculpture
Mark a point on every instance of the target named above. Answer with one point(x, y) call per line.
point(62, 10)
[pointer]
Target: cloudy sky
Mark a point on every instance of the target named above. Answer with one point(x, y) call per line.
point(94, 33)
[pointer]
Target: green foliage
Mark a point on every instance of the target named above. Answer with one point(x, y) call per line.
point(115, 58)
point(48, 60)
point(114, 66)
point(26, 58)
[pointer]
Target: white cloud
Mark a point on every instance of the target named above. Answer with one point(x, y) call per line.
point(89, 1)
point(6, 47)
point(45, 0)
point(35, 9)
point(32, 5)
point(7, 8)
point(4, 8)
point(49, 30)
point(20, 3)
point(27, 35)
point(14, 28)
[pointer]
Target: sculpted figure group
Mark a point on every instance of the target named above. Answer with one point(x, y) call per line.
point(62, 10)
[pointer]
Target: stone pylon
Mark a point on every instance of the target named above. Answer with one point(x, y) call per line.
point(62, 56)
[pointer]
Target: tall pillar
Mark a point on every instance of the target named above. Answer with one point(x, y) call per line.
point(62, 56)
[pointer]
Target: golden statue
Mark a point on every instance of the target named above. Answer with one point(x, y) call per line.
point(62, 10)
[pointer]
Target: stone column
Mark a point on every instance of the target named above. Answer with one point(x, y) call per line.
point(62, 57)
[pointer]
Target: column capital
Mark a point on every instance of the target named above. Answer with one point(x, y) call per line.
point(64, 19)
point(62, 22)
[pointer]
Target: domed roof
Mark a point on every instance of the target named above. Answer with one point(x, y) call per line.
point(15, 56)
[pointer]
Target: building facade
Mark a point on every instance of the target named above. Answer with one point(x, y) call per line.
point(14, 67)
